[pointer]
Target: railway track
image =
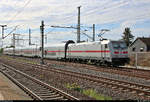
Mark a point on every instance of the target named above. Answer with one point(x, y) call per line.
point(34, 87)
point(139, 73)
point(139, 89)
point(123, 86)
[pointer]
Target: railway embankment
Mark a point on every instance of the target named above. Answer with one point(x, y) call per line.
point(80, 80)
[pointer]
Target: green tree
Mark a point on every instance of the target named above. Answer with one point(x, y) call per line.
point(127, 36)
point(1, 50)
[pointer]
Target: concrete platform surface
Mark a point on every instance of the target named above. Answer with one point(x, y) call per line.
point(9, 91)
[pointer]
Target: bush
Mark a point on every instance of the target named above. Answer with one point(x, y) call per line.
point(74, 86)
point(92, 93)
point(89, 92)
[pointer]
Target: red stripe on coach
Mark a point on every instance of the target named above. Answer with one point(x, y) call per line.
point(89, 51)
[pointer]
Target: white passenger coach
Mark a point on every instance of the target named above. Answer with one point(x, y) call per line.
point(102, 52)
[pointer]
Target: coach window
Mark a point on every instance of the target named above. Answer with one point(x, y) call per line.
point(106, 46)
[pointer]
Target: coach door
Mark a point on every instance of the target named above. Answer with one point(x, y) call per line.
point(106, 50)
point(103, 51)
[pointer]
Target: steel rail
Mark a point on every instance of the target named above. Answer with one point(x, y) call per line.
point(39, 82)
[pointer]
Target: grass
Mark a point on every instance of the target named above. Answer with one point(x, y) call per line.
point(89, 92)
point(92, 93)
point(74, 86)
point(20, 60)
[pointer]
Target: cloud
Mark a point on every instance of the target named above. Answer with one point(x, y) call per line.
point(123, 13)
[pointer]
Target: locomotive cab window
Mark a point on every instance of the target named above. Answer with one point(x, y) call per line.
point(116, 45)
point(123, 45)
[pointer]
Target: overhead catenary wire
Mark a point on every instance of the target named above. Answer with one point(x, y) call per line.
point(91, 11)
point(95, 10)
point(115, 5)
point(66, 17)
point(15, 4)
point(50, 31)
point(11, 32)
point(10, 27)
point(11, 19)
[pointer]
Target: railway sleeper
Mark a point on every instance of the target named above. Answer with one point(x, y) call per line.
point(114, 87)
point(112, 81)
point(120, 88)
point(109, 85)
point(133, 92)
point(104, 84)
point(116, 82)
point(51, 96)
point(132, 86)
point(121, 84)
point(137, 88)
point(55, 98)
point(126, 85)
point(65, 99)
point(141, 94)
point(100, 83)
point(40, 90)
point(148, 96)
point(141, 87)
point(95, 82)
point(126, 90)
point(35, 86)
point(46, 94)
point(146, 89)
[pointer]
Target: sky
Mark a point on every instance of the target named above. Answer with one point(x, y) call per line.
point(114, 15)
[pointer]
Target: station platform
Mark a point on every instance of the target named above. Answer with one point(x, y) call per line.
point(10, 91)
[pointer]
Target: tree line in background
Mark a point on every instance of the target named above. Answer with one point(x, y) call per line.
point(127, 36)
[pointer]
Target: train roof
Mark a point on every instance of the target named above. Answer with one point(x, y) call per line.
point(106, 41)
point(63, 44)
point(95, 42)
point(54, 45)
point(8, 48)
point(27, 47)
